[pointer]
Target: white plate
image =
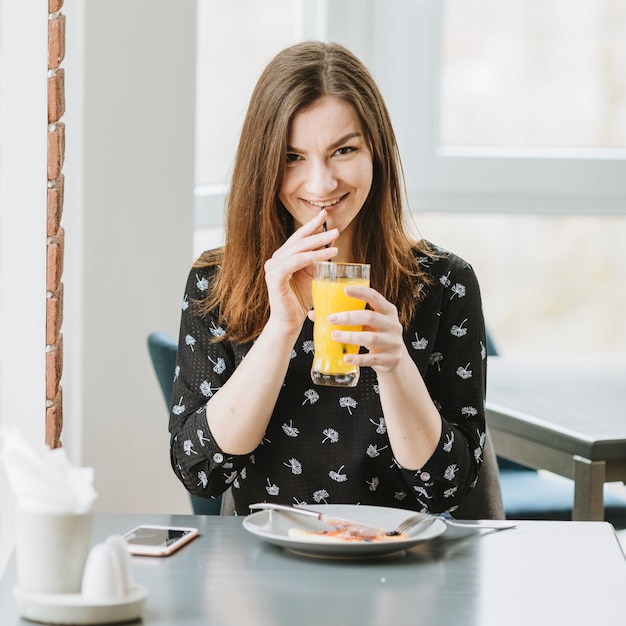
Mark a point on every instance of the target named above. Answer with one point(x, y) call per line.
point(273, 526)
point(72, 608)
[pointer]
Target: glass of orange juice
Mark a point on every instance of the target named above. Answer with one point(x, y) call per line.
point(329, 283)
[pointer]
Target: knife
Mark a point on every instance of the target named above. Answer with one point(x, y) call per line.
point(341, 524)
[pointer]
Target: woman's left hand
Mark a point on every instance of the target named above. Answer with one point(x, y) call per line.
point(381, 331)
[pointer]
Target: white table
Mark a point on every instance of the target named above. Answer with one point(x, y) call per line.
point(565, 414)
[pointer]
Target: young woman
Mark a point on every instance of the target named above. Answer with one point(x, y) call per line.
point(317, 177)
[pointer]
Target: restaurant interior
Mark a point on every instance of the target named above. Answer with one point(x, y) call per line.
point(511, 121)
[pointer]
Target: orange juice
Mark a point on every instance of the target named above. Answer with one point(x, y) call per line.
point(329, 367)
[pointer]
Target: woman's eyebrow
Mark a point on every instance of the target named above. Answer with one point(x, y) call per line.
point(334, 145)
point(345, 138)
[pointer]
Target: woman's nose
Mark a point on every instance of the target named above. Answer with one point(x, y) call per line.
point(321, 180)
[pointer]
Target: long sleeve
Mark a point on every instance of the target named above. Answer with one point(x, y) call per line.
point(202, 367)
point(449, 332)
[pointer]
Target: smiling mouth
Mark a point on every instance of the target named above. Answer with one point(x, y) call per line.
point(329, 203)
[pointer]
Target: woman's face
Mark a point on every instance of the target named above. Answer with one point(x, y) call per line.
point(328, 165)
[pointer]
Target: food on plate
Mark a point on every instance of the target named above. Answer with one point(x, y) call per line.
point(341, 535)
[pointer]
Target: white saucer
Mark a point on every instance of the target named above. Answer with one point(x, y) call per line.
point(73, 608)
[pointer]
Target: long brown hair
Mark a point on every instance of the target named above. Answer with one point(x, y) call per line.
point(256, 223)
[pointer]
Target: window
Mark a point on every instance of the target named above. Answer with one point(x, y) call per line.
point(535, 74)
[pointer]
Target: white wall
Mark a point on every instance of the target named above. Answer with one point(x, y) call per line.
point(23, 116)
point(130, 74)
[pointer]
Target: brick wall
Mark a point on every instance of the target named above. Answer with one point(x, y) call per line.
point(55, 232)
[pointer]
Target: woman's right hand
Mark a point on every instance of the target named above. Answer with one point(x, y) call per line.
point(288, 274)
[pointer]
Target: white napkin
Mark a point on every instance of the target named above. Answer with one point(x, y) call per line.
point(44, 480)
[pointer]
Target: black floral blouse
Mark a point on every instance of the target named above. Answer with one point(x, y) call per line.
point(327, 444)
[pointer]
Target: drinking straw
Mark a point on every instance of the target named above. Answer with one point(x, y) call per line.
point(332, 267)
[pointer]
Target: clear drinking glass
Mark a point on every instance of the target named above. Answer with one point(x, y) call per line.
point(329, 282)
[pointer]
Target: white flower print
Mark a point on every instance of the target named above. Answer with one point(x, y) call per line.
point(373, 484)
point(459, 331)
point(447, 446)
point(373, 451)
point(469, 411)
point(420, 344)
point(202, 283)
point(376, 389)
point(206, 390)
point(445, 280)
point(338, 476)
point(218, 366)
point(231, 478)
point(202, 477)
point(272, 490)
point(478, 454)
point(185, 304)
point(399, 495)
point(457, 290)
point(435, 359)
point(483, 351)
point(310, 395)
point(290, 430)
point(320, 496)
point(451, 471)
point(308, 347)
point(188, 447)
point(331, 435)
point(216, 331)
point(448, 493)
point(190, 341)
point(179, 408)
point(381, 428)
point(201, 437)
point(348, 403)
point(464, 372)
point(422, 492)
point(294, 354)
point(176, 372)
point(294, 465)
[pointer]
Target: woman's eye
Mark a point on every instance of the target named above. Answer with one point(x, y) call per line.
point(345, 150)
point(291, 157)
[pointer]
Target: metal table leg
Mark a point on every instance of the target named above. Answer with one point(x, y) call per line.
point(589, 479)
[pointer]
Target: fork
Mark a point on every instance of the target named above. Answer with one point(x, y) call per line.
point(418, 518)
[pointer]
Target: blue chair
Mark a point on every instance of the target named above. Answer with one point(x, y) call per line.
point(529, 494)
point(162, 349)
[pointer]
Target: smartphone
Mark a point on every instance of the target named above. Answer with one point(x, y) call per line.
point(147, 540)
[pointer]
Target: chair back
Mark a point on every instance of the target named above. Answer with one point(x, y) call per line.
point(485, 500)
